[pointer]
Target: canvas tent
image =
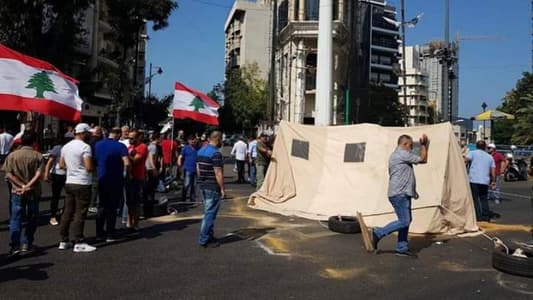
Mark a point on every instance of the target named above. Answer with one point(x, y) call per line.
point(319, 171)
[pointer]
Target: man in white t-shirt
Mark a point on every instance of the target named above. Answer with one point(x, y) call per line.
point(76, 158)
point(239, 151)
point(5, 144)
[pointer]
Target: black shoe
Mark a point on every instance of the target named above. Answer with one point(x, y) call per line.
point(14, 252)
point(407, 253)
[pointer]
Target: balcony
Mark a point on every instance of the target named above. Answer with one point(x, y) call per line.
point(379, 24)
point(309, 29)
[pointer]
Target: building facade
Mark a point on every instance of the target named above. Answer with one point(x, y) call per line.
point(365, 51)
point(100, 54)
point(415, 93)
point(248, 35)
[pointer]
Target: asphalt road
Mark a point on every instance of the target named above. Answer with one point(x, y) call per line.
point(263, 256)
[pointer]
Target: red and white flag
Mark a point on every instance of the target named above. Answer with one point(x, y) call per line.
point(30, 84)
point(195, 105)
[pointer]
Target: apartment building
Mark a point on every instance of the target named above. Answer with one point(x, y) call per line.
point(100, 52)
point(415, 93)
point(248, 35)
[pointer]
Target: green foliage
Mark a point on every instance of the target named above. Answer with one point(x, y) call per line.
point(48, 29)
point(154, 111)
point(502, 132)
point(127, 18)
point(519, 102)
point(245, 98)
point(41, 83)
point(384, 108)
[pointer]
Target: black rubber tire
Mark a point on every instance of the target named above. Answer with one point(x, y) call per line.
point(512, 264)
point(344, 225)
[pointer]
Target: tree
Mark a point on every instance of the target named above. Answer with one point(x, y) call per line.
point(127, 18)
point(155, 110)
point(48, 29)
point(41, 83)
point(383, 107)
point(519, 102)
point(245, 97)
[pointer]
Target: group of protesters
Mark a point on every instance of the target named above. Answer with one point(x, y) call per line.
point(111, 173)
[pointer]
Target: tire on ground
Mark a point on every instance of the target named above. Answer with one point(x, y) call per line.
point(344, 225)
point(515, 265)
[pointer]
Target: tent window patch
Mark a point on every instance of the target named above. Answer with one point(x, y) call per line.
point(354, 152)
point(300, 149)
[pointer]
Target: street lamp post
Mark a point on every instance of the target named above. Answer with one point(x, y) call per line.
point(404, 70)
point(484, 107)
point(151, 76)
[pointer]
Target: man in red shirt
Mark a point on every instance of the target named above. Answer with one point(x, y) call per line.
point(170, 153)
point(138, 152)
point(501, 166)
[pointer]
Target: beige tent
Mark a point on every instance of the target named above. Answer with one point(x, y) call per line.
point(319, 172)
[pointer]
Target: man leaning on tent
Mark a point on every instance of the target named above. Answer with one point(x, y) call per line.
point(402, 187)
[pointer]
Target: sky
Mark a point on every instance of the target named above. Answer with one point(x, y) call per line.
point(191, 49)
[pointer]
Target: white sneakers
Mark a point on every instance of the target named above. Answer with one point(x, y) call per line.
point(78, 247)
point(83, 247)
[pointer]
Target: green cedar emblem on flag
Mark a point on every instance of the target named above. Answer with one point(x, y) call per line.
point(41, 83)
point(197, 103)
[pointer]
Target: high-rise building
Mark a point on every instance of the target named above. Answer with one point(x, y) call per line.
point(443, 82)
point(415, 93)
point(248, 35)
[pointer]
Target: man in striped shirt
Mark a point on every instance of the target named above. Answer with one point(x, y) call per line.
point(211, 181)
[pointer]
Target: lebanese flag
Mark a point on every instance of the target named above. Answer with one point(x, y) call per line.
point(195, 105)
point(30, 84)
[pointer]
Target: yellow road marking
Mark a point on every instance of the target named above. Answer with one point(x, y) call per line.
point(341, 274)
point(495, 227)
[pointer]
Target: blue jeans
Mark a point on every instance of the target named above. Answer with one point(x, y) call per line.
point(211, 206)
point(28, 206)
point(402, 207)
point(189, 186)
point(494, 195)
point(253, 172)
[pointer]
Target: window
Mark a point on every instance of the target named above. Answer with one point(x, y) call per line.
point(300, 149)
point(354, 152)
point(311, 9)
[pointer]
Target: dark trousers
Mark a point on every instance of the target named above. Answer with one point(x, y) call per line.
point(480, 194)
point(58, 183)
point(77, 198)
point(109, 196)
point(149, 193)
point(240, 171)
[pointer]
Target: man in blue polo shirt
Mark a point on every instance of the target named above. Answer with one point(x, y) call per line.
point(482, 175)
point(112, 159)
point(211, 180)
point(187, 160)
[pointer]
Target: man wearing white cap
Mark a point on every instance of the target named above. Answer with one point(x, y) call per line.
point(76, 158)
point(501, 165)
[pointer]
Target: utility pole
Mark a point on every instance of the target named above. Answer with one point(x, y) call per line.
point(448, 62)
point(404, 70)
point(271, 109)
point(324, 79)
